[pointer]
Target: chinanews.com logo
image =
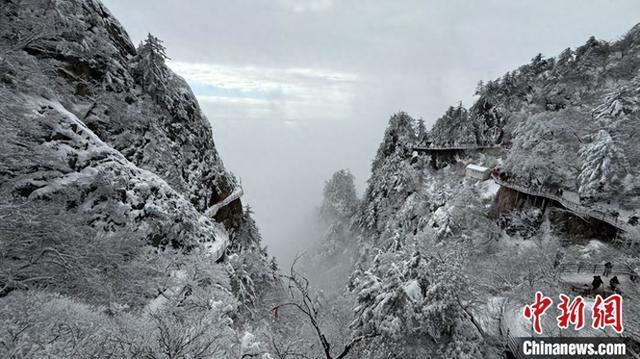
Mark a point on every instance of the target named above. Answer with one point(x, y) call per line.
point(605, 313)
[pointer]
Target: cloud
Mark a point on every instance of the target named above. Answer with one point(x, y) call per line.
point(282, 94)
point(296, 89)
point(307, 5)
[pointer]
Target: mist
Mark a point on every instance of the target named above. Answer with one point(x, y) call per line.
point(296, 90)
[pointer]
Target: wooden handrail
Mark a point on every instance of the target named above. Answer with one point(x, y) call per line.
point(574, 207)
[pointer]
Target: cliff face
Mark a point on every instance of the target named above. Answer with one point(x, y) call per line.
point(82, 129)
point(109, 177)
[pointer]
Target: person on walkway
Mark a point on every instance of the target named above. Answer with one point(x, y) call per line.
point(596, 283)
point(607, 269)
point(614, 283)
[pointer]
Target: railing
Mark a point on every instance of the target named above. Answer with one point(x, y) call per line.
point(224, 237)
point(513, 346)
point(512, 343)
point(595, 268)
point(455, 147)
point(237, 193)
point(574, 207)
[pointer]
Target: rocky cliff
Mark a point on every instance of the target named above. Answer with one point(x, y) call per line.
point(83, 128)
point(116, 210)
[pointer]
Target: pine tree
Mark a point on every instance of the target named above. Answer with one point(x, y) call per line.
point(150, 65)
point(538, 65)
point(591, 43)
point(248, 237)
point(410, 295)
point(399, 137)
point(252, 272)
point(380, 302)
point(421, 133)
point(479, 88)
point(454, 128)
point(508, 82)
point(621, 102)
point(340, 200)
point(604, 167)
point(564, 59)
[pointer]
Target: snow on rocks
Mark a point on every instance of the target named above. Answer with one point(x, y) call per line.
point(48, 154)
point(97, 80)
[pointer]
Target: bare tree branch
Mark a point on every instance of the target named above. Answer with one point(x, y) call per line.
point(299, 291)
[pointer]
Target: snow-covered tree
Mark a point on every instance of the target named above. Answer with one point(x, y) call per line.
point(340, 200)
point(544, 150)
point(564, 59)
point(604, 167)
point(150, 65)
point(252, 272)
point(410, 295)
point(393, 177)
point(538, 64)
point(454, 128)
point(399, 137)
point(622, 101)
point(422, 136)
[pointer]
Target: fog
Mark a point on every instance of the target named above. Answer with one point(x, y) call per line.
point(298, 89)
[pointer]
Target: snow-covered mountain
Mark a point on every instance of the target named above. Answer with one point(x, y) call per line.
point(444, 262)
point(122, 234)
point(569, 120)
point(115, 204)
point(80, 116)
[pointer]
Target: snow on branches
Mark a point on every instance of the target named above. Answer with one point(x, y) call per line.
point(604, 166)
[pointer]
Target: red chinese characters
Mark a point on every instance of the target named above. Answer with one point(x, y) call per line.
point(537, 309)
point(605, 312)
point(571, 312)
point(608, 312)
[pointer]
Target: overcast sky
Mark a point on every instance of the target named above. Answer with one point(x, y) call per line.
point(298, 89)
